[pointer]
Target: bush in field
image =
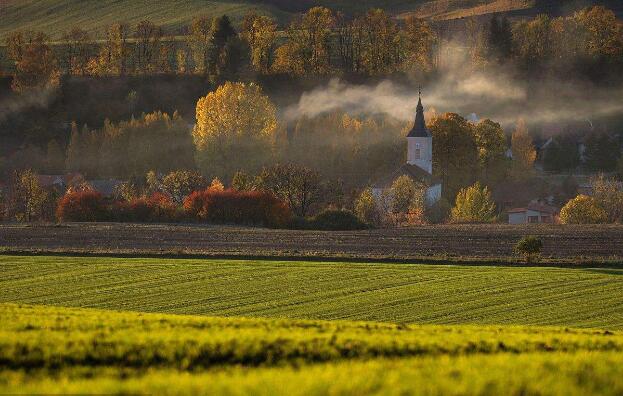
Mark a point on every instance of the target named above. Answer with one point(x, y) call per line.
point(474, 205)
point(237, 207)
point(87, 205)
point(179, 184)
point(530, 247)
point(583, 210)
point(336, 220)
point(366, 208)
point(438, 212)
point(156, 208)
point(407, 201)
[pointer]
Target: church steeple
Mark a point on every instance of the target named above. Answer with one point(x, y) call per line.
point(420, 141)
point(419, 127)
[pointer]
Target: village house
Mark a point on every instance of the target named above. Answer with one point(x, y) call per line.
point(534, 213)
point(419, 165)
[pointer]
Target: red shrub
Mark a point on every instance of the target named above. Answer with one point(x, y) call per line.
point(156, 208)
point(237, 207)
point(81, 206)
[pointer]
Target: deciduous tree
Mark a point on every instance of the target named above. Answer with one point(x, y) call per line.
point(608, 194)
point(308, 50)
point(523, 151)
point(583, 210)
point(408, 200)
point(260, 32)
point(235, 129)
point(455, 154)
point(179, 184)
point(113, 56)
point(491, 144)
point(78, 50)
point(474, 205)
point(148, 37)
point(297, 185)
point(27, 197)
point(37, 68)
point(418, 42)
point(381, 49)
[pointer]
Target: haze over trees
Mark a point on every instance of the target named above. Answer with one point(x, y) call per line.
point(246, 76)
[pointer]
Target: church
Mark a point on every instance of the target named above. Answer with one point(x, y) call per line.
point(419, 165)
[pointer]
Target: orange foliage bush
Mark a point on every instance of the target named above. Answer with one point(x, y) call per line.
point(156, 208)
point(237, 207)
point(85, 205)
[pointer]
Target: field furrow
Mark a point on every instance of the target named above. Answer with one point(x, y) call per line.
point(400, 293)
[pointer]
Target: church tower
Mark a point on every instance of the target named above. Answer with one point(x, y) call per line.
point(420, 142)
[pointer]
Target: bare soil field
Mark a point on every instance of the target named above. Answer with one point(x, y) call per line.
point(564, 244)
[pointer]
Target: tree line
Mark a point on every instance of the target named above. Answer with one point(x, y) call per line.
point(320, 42)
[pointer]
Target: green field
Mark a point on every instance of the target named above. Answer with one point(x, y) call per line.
point(68, 350)
point(57, 16)
point(398, 293)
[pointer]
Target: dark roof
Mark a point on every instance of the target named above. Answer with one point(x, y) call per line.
point(419, 127)
point(413, 171)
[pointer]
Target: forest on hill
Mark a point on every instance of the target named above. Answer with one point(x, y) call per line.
point(246, 101)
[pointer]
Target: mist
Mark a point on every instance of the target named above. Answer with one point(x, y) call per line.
point(494, 95)
point(15, 103)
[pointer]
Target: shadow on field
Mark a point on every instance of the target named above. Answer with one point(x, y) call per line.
point(605, 271)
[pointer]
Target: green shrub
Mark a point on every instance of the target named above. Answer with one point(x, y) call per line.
point(529, 246)
point(336, 220)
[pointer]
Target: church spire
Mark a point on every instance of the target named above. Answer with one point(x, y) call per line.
point(419, 127)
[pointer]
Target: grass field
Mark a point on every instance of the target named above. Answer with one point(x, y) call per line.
point(84, 351)
point(400, 293)
point(57, 16)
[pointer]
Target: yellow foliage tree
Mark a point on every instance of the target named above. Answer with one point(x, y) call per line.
point(308, 48)
point(524, 153)
point(419, 40)
point(408, 199)
point(236, 128)
point(474, 205)
point(583, 210)
point(260, 32)
point(37, 67)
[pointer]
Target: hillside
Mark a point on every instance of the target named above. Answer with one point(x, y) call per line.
point(57, 16)
point(399, 293)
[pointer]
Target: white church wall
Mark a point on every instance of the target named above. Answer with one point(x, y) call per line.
point(433, 194)
point(420, 153)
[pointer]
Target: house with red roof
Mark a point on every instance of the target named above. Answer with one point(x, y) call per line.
point(534, 213)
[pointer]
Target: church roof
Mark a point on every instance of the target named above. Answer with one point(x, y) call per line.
point(419, 128)
point(413, 171)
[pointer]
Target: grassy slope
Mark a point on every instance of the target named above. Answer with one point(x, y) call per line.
point(56, 16)
point(84, 351)
point(387, 293)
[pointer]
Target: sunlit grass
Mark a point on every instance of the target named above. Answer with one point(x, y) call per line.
point(67, 350)
point(401, 293)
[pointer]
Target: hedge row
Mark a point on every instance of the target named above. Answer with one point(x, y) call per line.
point(210, 206)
